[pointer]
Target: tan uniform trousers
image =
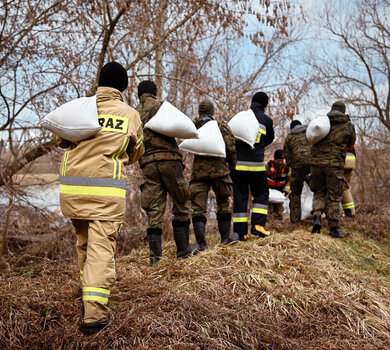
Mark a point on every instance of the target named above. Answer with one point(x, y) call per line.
point(347, 200)
point(96, 242)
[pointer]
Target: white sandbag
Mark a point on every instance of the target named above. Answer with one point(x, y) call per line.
point(75, 120)
point(210, 142)
point(317, 129)
point(169, 121)
point(245, 127)
point(276, 196)
point(306, 202)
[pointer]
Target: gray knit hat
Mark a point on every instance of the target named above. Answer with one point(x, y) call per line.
point(339, 106)
point(206, 108)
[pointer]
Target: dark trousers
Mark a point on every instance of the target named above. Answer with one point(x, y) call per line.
point(256, 183)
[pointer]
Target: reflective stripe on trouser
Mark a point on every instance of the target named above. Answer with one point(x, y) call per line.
point(256, 182)
point(347, 199)
point(96, 241)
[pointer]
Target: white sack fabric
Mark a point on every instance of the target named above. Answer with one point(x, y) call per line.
point(306, 202)
point(169, 121)
point(75, 120)
point(317, 129)
point(245, 127)
point(276, 196)
point(210, 142)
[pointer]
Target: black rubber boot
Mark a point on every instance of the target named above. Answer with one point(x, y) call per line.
point(224, 227)
point(348, 212)
point(155, 247)
point(335, 233)
point(199, 224)
point(93, 327)
point(179, 233)
point(317, 224)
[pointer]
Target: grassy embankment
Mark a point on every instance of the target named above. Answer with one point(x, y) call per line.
point(291, 291)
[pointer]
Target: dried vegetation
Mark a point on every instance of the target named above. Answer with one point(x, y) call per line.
point(291, 291)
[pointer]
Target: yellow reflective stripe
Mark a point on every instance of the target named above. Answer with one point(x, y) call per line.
point(240, 219)
point(117, 162)
point(250, 168)
point(96, 289)
point(93, 191)
point(113, 123)
point(66, 155)
point(260, 211)
point(350, 157)
point(139, 142)
point(349, 205)
point(81, 274)
point(95, 298)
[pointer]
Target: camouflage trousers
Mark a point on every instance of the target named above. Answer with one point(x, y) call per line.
point(297, 180)
point(347, 199)
point(161, 178)
point(199, 190)
point(327, 183)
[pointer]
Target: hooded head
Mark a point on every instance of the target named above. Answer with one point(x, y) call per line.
point(147, 86)
point(206, 108)
point(294, 123)
point(260, 97)
point(338, 106)
point(114, 75)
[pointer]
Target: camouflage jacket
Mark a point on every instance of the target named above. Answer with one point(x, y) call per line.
point(331, 151)
point(158, 147)
point(296, 149)
point(215, 167)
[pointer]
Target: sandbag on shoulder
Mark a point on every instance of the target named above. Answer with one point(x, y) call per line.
point(169, 121)
point(75, 120)
point(245, 127)
point(276, 196)
point(317, 129)
point(210, 142)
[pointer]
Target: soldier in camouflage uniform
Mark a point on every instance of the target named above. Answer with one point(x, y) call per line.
point(297, 153)
point(162, 168)
point(327, 171)
point(212, 172)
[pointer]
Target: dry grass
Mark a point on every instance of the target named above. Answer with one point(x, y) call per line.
point(291, 291)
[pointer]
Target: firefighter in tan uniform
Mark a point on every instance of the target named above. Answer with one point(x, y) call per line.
point(93, 191)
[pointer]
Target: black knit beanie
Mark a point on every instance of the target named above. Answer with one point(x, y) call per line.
point(147, 86)
point(260, 97)
point(278, 154)
point(206, 108)
point(114, 75)
point(294, 123)
point(339, 106)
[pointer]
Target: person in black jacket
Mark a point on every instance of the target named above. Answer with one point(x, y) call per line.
point(250, 173)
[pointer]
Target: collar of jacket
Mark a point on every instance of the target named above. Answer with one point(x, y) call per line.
point(146, 96)
point(337, 117)
point(298, 129)
point(105, 93)
point(256, 106)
